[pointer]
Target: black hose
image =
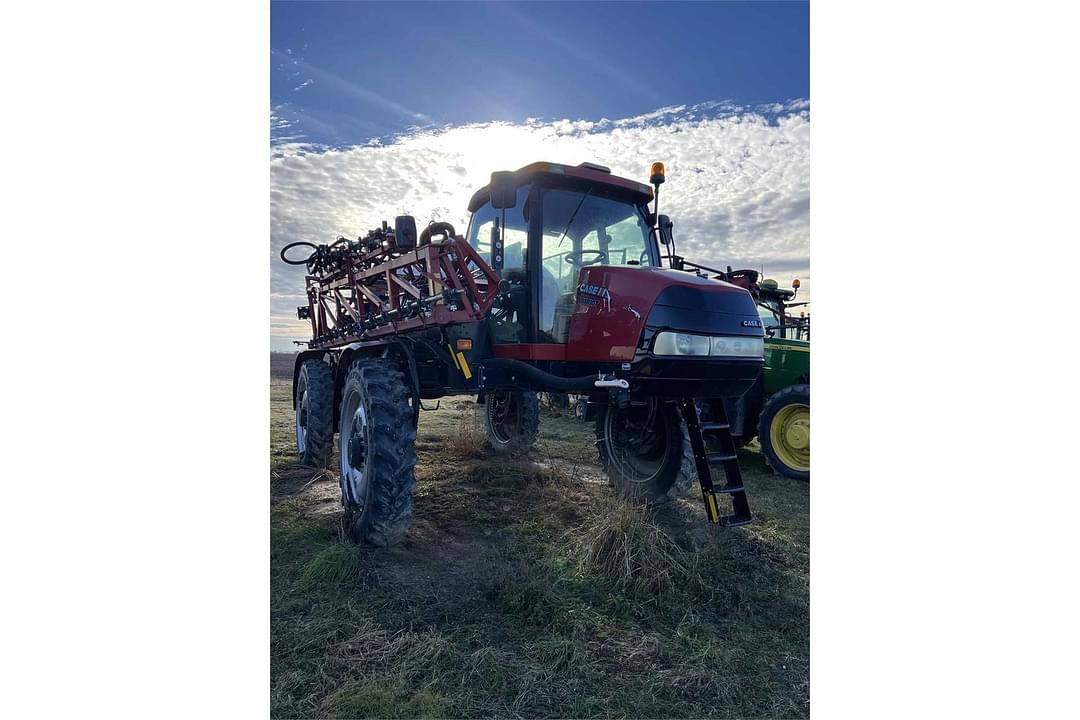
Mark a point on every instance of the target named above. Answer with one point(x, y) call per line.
point(436, 228)
point(543, 380)
point(305, 261)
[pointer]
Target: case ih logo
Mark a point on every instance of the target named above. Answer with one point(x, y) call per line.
point(593, 294)
point(751, 323)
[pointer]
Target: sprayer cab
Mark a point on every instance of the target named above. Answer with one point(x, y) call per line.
point(581, 256)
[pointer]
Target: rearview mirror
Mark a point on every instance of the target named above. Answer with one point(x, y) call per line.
point(665, 225)
point(503, 190)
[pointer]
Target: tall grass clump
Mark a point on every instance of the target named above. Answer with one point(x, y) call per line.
point(469, 440)
point(623, 543)
point(335, 564)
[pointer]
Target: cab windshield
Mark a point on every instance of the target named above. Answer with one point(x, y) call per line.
point(581, 228)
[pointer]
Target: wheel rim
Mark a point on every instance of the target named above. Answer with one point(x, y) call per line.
point(354, 450)
point(790, 436)
point(301, 422)
point(637, 441)
point(505, 416)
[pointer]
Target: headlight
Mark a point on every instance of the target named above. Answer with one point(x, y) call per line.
point(735, 346)
point(670, 343)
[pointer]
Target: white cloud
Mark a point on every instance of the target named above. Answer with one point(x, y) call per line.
point(738, 182)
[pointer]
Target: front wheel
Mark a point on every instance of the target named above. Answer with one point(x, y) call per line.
point(784, 432)
point(645, 450)
point(512, 420)
point(378, 452)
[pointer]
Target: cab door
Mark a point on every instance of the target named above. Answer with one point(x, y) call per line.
point(509, 322)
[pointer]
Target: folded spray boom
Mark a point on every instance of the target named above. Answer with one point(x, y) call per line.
point(391, 280)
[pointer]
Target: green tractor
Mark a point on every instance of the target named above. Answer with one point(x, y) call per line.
point(776, 409)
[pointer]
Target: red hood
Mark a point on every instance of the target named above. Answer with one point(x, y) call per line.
point(613, 303)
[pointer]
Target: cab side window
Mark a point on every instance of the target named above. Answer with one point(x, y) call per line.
point(508, 320)
point(515, 236)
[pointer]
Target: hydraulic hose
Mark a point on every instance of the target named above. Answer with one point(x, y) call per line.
point(436, 228)
point(546, 381)
point(302, 243)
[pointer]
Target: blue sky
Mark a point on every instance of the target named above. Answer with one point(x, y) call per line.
point(381, 109)
point(342, 73)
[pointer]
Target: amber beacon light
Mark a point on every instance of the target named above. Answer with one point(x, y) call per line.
point(657, 173)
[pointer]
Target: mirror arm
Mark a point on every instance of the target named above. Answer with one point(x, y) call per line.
point(497, 259)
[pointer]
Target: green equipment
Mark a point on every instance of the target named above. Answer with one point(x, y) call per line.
point(776, 409)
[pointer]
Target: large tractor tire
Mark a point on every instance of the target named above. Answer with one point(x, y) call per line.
point(511, 420)
point(784, 432)
point(378, 452)
point(645, 450)
point(314, 408)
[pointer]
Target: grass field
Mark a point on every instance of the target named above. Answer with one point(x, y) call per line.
point(524, 590)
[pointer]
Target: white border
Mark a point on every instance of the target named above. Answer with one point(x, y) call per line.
point(135, 535)
point(135, 531)
point(944, 194)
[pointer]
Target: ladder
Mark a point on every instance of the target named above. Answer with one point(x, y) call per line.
point(726, 457)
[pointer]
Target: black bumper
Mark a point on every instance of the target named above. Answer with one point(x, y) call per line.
point(674, 377)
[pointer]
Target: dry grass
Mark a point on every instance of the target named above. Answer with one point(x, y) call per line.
point(470, 441)
point(525, 589)
point(623, 542)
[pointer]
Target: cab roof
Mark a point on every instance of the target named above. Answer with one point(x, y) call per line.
point(585, 171)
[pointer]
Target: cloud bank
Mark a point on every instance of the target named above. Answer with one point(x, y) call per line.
point(738, 184)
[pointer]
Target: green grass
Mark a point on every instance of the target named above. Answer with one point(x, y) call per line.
point(523, 589)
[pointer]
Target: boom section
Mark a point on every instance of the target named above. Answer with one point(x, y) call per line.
point(363, 296)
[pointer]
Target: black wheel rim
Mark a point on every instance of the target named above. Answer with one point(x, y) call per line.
point(505, 416)
point(637, 440)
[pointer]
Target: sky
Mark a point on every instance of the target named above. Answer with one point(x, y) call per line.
point(379, 109)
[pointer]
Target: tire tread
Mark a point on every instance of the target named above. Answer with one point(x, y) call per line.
point(530, 423)
point(776, 401)
point(319, 438)
point(392, 480)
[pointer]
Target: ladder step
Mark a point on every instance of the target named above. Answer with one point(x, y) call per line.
point(735, 520)
point(705, 426)
point(704, 459)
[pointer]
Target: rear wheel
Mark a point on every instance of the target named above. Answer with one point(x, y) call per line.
point(645, 450)
point(784, 432)
point(512, 420)
point(577, 411)
point(314, 407)
point(378, 452)
point(556, 402)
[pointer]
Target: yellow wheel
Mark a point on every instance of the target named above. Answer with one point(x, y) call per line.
point(784, 432)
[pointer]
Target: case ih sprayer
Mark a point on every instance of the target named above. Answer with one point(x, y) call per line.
point(557, 286)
